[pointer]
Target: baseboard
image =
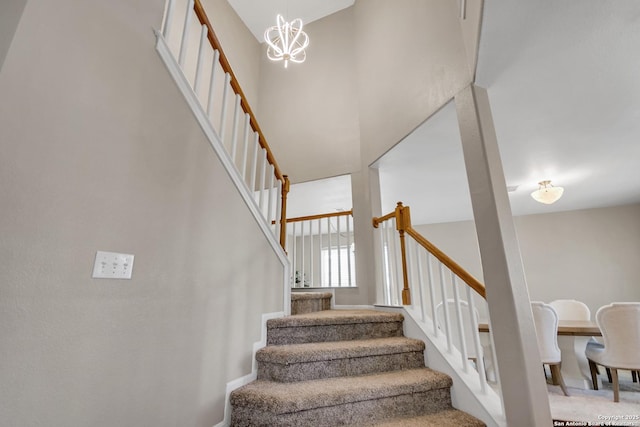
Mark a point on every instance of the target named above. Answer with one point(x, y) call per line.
point(239, 382)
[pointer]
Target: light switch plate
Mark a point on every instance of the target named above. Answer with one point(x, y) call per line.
point(112, 265)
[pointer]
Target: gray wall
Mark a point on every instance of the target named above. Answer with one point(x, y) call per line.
point(374, 72)
point(309, 111)
point(100, 152)
point(590, 255)
point(242, 49)
point(411, 60)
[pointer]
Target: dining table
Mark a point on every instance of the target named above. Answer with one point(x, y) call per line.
point(573, 336)
point(575, 328)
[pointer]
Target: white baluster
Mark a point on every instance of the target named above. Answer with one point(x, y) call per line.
point(339, 251)
point(329, 250)
point(263, 172)
point(311, 245)
point(320, 251)
point(278, 208)
point(247, 131)
point(203, 43)
point(463, 342)
point(214, 63)
point(223, 114)
point(432, 295)
point(272, 172)
point(293, 251)
point(349, 249)
point(254, 164)
point(445, 306)
point(476, 342)
point(386, 272)
point(396, 266)
point(234, 132)
point(168, 20)
point(303, 260)
point(185, 34)
point(421, 283)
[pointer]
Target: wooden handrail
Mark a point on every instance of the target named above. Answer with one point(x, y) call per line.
point(320, 216)
point(378, 221)
point(403, 224)
point(463, 274)
point(224, 62)
point(244, 104)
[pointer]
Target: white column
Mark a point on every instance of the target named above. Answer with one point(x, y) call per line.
point(523, 387)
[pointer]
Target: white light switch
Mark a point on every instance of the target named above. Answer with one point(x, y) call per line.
point(111, 265)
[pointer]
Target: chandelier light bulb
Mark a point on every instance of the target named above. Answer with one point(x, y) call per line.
point(547, 193)
point(286, 41)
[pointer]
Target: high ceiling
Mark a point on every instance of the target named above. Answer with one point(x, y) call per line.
point(563, 79)
point(563, 82)
point(258, 15)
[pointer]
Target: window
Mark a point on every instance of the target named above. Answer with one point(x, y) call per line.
point(338, 266)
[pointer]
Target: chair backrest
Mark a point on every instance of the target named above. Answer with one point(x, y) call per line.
point(570, 309)
point(546, 321)
point(453, 326)
point(620, 326)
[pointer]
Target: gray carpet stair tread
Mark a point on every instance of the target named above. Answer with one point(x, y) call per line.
point(446, 418)
point(321, 351)
point(281, 398)
point(334, 317)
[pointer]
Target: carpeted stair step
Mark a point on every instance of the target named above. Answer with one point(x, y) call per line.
point(333, 325)
point(341, 401)
point(309, 302)
point(302, 362)
point(446, 418)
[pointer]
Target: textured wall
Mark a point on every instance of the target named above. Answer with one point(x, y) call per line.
point(100, 152)
point(309, 111)
point(410, 61)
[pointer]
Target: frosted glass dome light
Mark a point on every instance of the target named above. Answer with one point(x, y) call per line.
point(547, 193)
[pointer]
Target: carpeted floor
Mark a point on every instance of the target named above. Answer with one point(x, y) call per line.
point(597, 406)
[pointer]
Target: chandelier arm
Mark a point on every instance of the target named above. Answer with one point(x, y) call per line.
point(297, 31)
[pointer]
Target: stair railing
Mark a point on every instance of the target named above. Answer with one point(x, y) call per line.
point(206, 70)
point(321, 249)
point(416, 273)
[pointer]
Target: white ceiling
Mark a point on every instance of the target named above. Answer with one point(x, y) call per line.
point(258, 15)
point(563, 79)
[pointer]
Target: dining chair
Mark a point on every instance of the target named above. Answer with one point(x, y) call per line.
point(571, 309)
point(620, 326)
point(545, 320)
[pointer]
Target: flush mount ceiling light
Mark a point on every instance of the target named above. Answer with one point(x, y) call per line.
point(286, 41)
point(547, 193)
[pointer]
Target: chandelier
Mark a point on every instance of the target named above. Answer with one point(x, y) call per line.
point(547, 193)
point(286, 41)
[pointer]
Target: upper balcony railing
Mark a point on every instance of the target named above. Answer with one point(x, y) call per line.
point(322, 250)
point(206, 69)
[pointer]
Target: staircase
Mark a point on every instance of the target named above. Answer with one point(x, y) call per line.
point(344, 367)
